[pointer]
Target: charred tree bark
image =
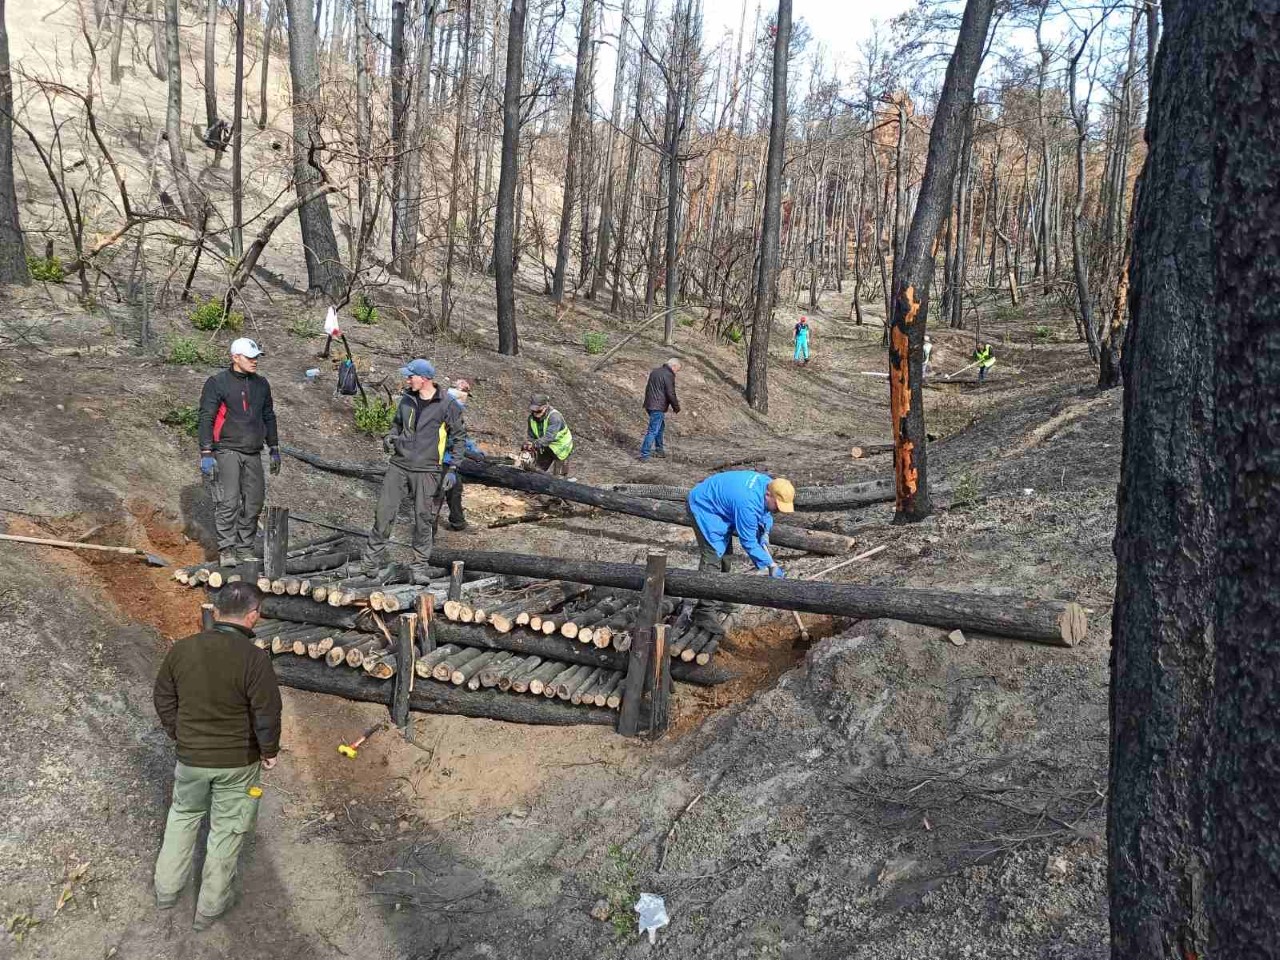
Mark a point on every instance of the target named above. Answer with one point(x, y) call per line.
point(399, 113)
point(912, 281)
point(633, 158)
point(455, 169)
point(237, 142)
point(577, 117)
point(504, 226)
point(366, 194)
point(770, 230)
point(13, 252)
point(320, 246)
point(1080, 266)
point(188, 192)
point(268, 32)
point(1163, 625)
point(604, 238)
point(159, 61)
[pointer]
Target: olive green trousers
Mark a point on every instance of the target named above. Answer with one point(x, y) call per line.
point(223, 794)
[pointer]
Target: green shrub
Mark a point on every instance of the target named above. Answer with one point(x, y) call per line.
point(209, 316)
point(619, 889)
point(184, 418)
point(190, 352)
point(965, 492)
point(595, 341)
point(364, 310)
point(734, 334)
point(1042, 333)
point(48, 271)
point(1007, 313)
point(685, 320)
point(374, 416)
point(304, 325)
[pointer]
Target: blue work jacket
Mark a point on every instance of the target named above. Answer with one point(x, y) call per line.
point(732, 504)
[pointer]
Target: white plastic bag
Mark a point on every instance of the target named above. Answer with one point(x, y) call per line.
point(653, 914)
point(331, 323)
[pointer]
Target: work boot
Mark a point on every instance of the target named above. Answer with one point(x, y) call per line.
point(201, 922)
point(247, 555)
point(660, 453)
point(705, 618)
point(166, 903)
point(227, 559)
point(459, 526)
point(422, 574)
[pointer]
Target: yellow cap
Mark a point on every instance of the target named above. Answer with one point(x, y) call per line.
point(255, 792)
point(785, 493)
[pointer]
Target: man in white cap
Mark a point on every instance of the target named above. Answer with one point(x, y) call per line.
point(237, 418)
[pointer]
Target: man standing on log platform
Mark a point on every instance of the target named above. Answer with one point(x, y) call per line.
point(737, 503)
point(236, 418)
point(659, 397)
point(548, 437)
point(427, 424)
point(216, 695)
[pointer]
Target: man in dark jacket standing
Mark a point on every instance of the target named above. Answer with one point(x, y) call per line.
point(216, 695)
point(659, 397)
point(237, 418)
point(427, 425)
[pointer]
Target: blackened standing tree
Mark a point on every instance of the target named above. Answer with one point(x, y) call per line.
point(1194, 704)
point(577, 118)
point(460, 131)
point(210, 73)
point(604, 240)
point(237, 141)
point(190, 195)
point(366, 191)
point(633, 156)
point(504, 227)
point(159, 57)
point(913, 277)
point(401, 243)
point(324, 269)
point(273, 16)
point(13, 258)
point(770, 230)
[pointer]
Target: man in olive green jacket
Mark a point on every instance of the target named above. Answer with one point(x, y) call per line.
point(216, 695)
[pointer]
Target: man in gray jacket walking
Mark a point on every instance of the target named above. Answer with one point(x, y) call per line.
point(427, 425)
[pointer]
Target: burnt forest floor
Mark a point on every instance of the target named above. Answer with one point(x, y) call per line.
point(883, 793)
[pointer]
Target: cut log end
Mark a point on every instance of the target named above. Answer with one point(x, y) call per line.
point(1074, 624)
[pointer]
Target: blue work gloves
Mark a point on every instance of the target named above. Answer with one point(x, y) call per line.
point(208, 466)
point(450, 480)
point(777, 572)
point(275, 461)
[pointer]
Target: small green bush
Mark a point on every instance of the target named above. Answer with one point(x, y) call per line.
point(208, 316)
point(190, 352)
point(965, 492)
point(304, 325)
point(1007, 313)
point(685, 320)
point(734, 334)
point(364, 310)
point(595, 341)
point(1042, 333)
point(184, 418)
point(374, 416)
point(47, 271)
point(619, 889)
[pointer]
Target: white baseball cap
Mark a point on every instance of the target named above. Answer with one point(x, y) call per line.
point(245, 347)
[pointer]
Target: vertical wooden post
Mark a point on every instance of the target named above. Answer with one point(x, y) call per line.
point(426, 636)
point(655, 574)
point(275, 542)
point(455, 581)
point(404, 670)
point(206, 616)
point(660, 683)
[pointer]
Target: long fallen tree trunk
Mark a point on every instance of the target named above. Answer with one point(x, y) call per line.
point(498, 475)
point(816, 499)
point(302, 673)
point(552, 647)
point(1054, 622)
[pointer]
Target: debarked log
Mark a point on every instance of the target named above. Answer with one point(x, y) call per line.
point(303, 674)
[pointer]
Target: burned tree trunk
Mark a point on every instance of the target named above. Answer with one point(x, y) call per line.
point(188, 192)
point(320, 246)
point(273, 15)
point(577, 117)
point(770, 230)
point(159, 61)
point(13, 259)
point(504, 227)
point(913, 278)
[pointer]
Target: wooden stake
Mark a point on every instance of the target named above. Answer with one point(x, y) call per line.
point(275, 545)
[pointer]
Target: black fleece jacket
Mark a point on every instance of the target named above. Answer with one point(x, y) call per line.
point(236, 413)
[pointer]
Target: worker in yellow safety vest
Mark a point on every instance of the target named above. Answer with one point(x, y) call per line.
point(548, 439)
point(984, 358)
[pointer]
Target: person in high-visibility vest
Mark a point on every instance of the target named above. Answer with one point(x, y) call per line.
point(985, 359)
point(548, 437)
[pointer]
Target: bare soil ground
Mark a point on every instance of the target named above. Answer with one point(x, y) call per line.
point(883, 793)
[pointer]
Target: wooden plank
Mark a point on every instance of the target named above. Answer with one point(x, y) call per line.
point(455, 580)
point(404, 670)
point(424, 607)
point(660, 680)
point(642, 644)
point(275, 545)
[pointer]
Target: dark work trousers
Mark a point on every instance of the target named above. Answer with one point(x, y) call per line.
point(545, 460)
point(399, 483)
point(710, 561)
point(238, 495)
point(454, 498)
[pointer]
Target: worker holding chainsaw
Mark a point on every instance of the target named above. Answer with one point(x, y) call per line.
point(460, 394)
point(217, 698)
point(548, 441)
point(237, 417)
point(736, 503)
point(427, 424)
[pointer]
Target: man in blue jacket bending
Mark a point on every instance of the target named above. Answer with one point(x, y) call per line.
point(737, 503)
